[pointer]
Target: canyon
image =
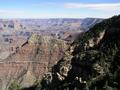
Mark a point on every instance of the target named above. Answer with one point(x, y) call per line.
point(30, 48)
point(31, 61)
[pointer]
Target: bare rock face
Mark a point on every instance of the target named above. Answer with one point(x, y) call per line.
point(32, 60)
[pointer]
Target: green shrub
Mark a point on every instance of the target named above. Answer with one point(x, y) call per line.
point(14, 86)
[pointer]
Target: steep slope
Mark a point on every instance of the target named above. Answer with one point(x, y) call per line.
point(87, 23)
point(31, 61)
point(92, 62)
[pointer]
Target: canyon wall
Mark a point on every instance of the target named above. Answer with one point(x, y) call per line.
point(31, 61)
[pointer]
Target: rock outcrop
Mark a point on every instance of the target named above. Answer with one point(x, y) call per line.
point(93, 61)
point(31, 61)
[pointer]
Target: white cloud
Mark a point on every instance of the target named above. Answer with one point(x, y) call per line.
point(103, 6)
point(11, 12)
point(27, 14)
point(113, 9)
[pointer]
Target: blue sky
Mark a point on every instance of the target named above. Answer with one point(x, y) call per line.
point(59, 8)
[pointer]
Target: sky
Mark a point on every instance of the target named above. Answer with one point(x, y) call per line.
point(59, 8)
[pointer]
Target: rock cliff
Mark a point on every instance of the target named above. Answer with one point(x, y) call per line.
point(31, 61)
